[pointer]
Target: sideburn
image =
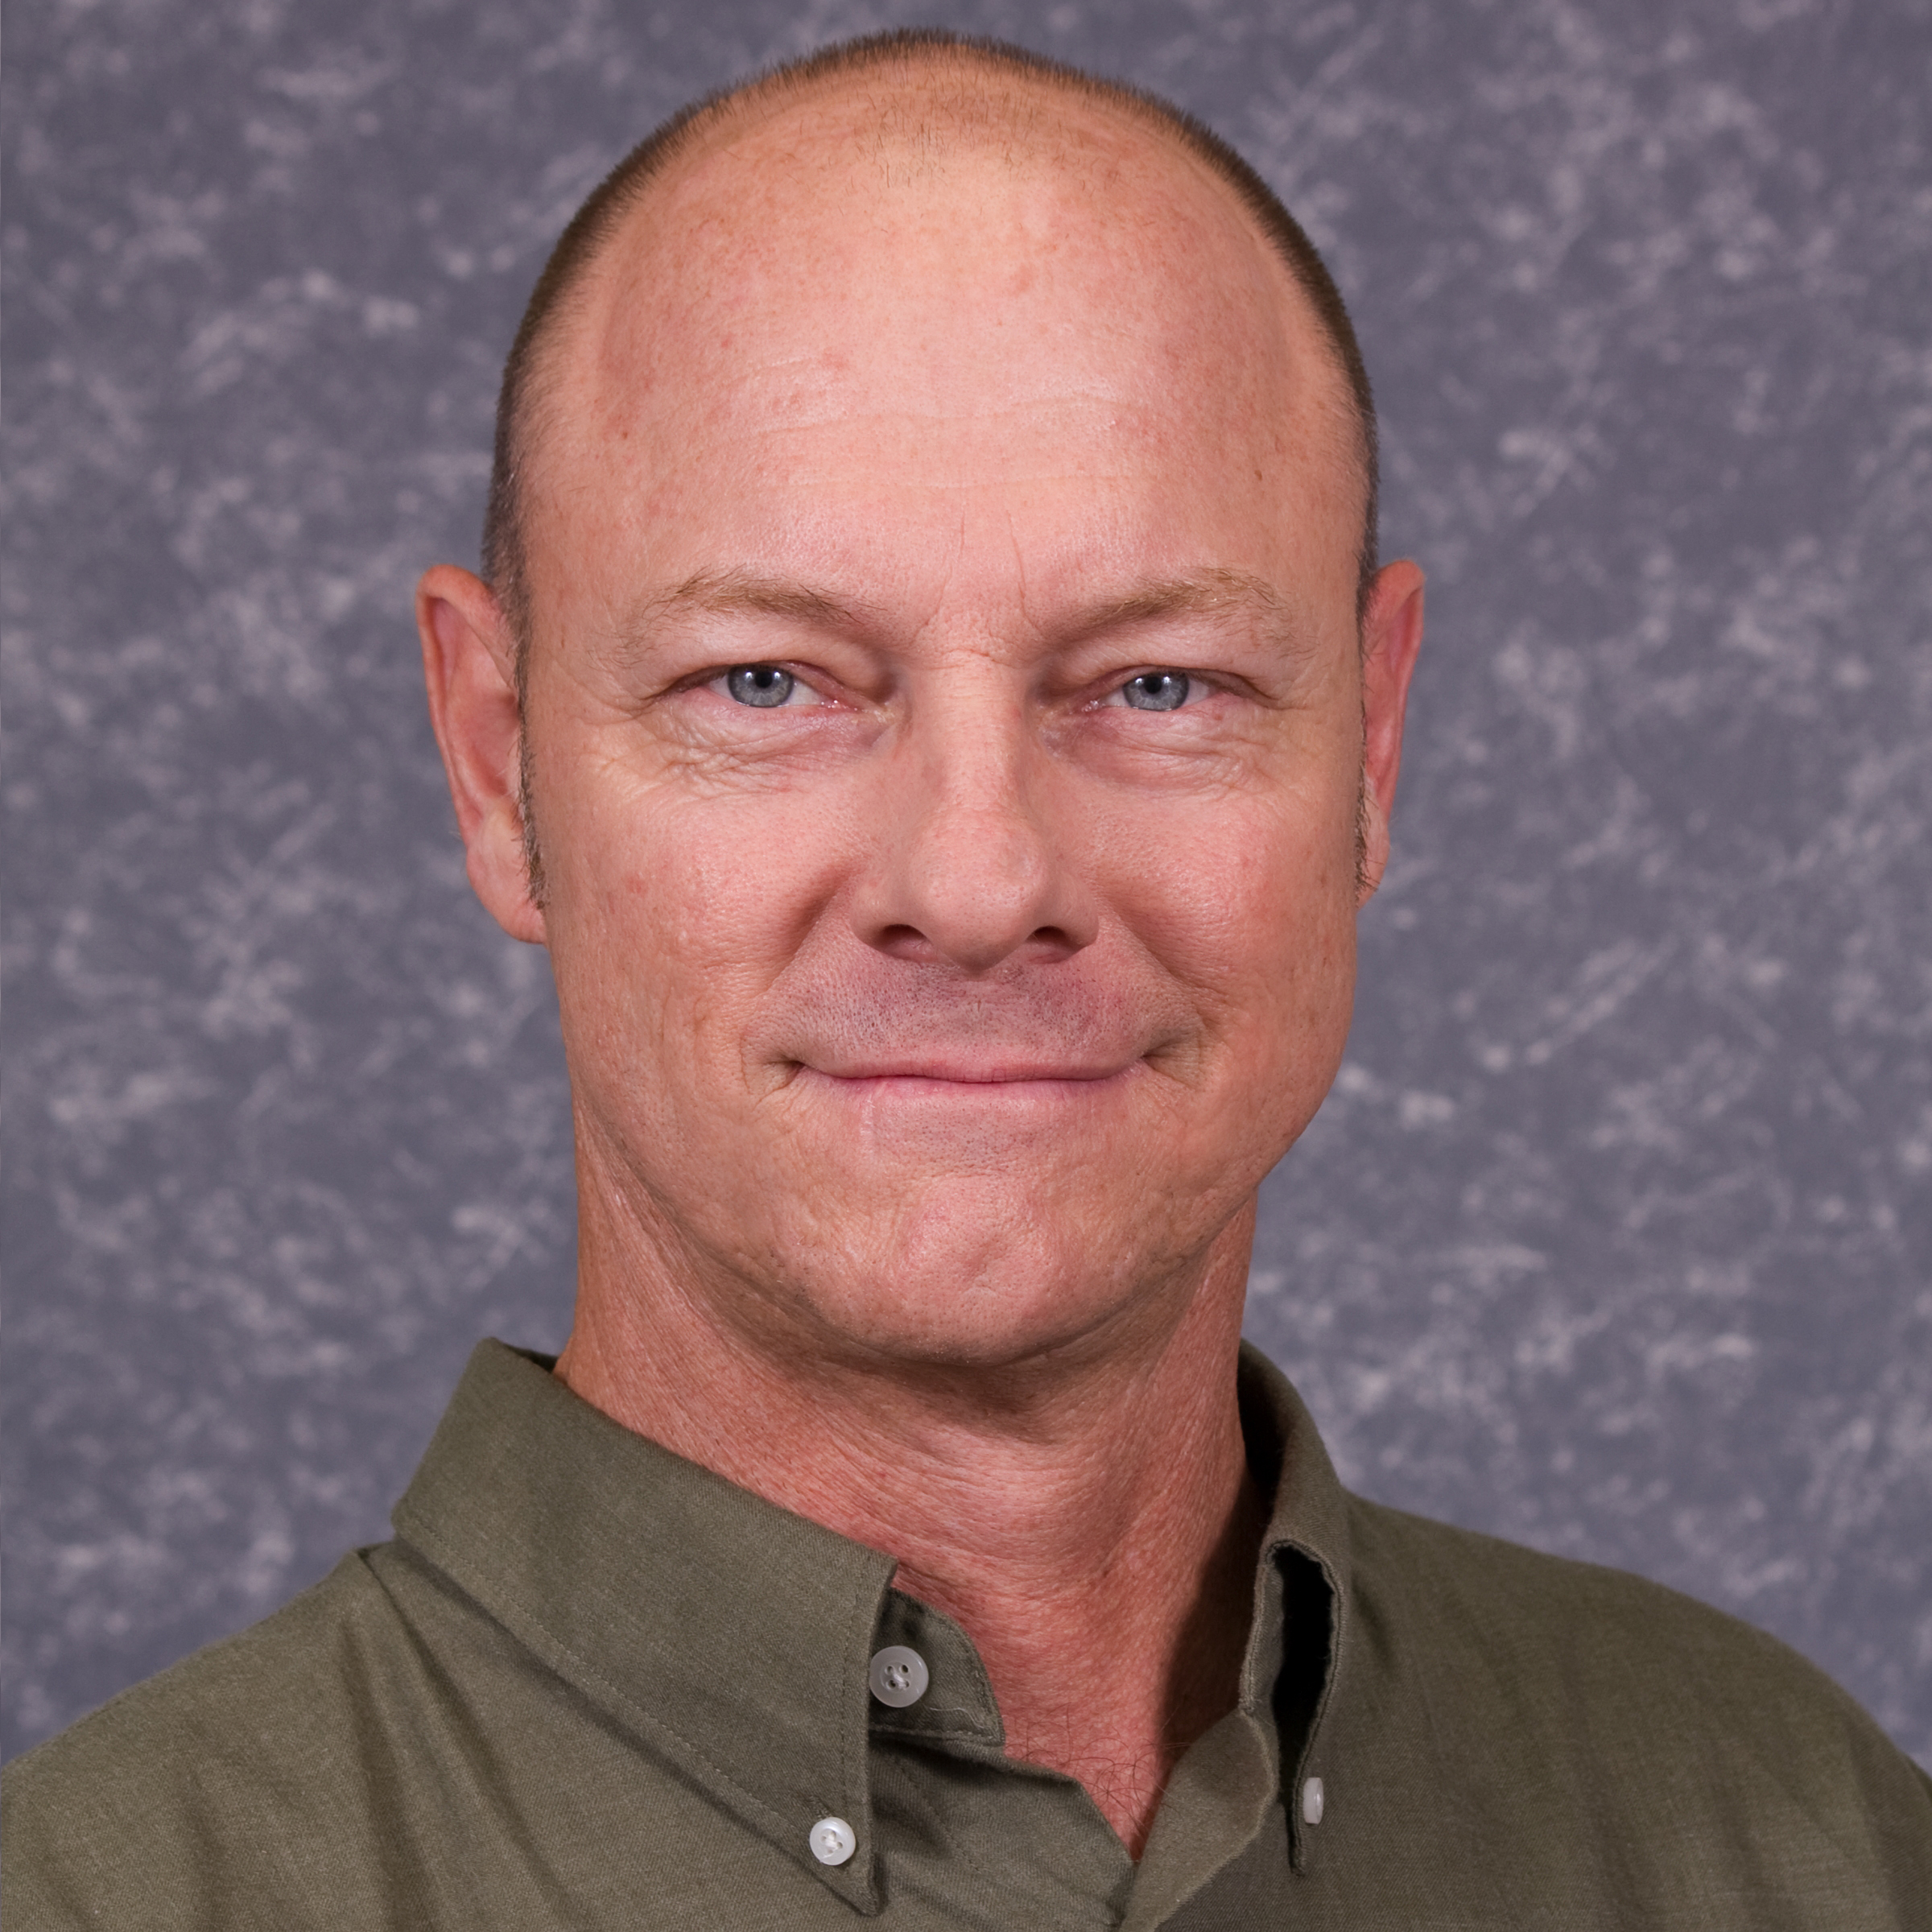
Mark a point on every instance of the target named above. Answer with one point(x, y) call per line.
point(533, 854)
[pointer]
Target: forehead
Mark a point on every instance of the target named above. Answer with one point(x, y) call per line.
point(955, 287)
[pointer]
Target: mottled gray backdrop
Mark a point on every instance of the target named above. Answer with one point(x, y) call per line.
point(1616, 1236)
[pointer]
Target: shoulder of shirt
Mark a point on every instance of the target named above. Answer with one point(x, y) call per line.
point(1523, 1644)
point(1509, 1598)
point(245, 1769)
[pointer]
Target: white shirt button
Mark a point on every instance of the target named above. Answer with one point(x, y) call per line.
point(898, 1677)
point(1311, 1802)
point(833, 1841)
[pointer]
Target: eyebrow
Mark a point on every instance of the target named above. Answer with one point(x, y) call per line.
point(731, 592)
point(1212, 593)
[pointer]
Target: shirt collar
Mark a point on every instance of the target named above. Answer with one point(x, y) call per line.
point(733, 1637)
point(1301, 1585)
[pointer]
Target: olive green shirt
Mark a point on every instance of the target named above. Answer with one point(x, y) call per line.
point(591, 1685)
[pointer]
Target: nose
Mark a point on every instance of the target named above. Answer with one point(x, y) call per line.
point(973, 863)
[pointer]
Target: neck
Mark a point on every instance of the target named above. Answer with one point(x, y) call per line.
point(1089, 1522)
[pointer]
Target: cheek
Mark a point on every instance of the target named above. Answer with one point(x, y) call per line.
point(674, 912)
point(1249, 899)
point(1251, 910)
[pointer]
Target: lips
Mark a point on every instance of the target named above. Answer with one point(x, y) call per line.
point(972, 1069)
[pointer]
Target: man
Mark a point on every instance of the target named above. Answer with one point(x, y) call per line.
point(935, 700)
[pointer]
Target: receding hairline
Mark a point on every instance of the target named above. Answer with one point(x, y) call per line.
point(924, 52)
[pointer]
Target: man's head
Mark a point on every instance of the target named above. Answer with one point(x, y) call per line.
point(931, 655)
point(997, 93)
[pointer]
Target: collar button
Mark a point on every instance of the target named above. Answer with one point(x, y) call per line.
point(898, 1676)
point(833, 1841)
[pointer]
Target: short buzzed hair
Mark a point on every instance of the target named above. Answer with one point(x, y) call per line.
point(503, 528)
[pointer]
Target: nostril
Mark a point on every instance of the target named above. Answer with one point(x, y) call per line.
point(902, 941)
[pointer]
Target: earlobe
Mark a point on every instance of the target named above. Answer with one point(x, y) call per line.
point(1392, 634)
point(469, 668)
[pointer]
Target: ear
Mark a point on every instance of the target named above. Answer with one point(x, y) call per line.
point(1392, 632)
point(469, 665)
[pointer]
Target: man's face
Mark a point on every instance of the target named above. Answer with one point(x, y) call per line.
point(946, 733)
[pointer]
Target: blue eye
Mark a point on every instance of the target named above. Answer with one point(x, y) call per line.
point(1155, 691)
point(764, 685)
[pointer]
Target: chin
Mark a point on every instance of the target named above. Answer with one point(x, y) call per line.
point(1005, 1327)
point(958, 1284)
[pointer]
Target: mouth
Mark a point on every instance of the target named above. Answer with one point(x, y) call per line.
point(939, 1070)
point(1026, 1095)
